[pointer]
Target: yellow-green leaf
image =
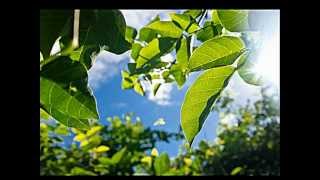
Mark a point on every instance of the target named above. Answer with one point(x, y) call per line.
point(165, 29)
point(236, 171)
point(218, 51)
point(138, 88)
point(200, 97)
point(80, 137)
point(185, 22)
point(155, 49)
point(101, 149)
point(234, 20)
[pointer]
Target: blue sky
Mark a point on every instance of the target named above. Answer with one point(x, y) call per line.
point(105, 81)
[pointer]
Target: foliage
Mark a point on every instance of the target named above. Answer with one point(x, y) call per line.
point(114, 149)
point(64, 93)
point(250, 146)
point(226, 43)
point(227, 46)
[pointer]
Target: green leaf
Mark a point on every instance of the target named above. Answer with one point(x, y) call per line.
point(146, 34)
point(209, 31)
point(132, 67)
point(101, 28)
point(179, 75)
point(200, 98)
point(219, 51)
point(80, 171)
point(165, 29)
point(183, 52)
point(108, 30)
point(236, 171)
point(138, 88)
point(131, 34)
point(245, 67)
point(155, 88)
point(118, 156)
point(135, 50)
point(194, 13)
point(155, 49)
point(185, 22)
point(234, 20)
point(64, 93)
point(162, 164)
point(127, 81)
point(52, 23)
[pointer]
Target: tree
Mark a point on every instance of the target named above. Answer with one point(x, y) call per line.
point(251, 146)
point(227, 47)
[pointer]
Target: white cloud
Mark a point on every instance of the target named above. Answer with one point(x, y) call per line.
point(139, 18)
point(105, 67)
point(163, 95)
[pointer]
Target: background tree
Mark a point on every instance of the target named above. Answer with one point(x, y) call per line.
point(248, 146)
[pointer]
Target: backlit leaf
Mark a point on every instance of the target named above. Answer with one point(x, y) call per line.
point(64, 93)
point(200, 98)
point(234, 20)
point(185, 22)
point(165, 29)
point(218, 51)
point(155, 49)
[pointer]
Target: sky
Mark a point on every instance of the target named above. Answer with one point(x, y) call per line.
point(105, 82)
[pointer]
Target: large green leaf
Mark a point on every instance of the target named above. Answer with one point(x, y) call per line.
point(108, 30)
point(102, 28)
point(155, 49)
point(165, 29)
point(246, 64)
point(162, 164)
point(219, 51)
point(52, 23)
point(185, 22)
point(233, 20)
point(64, 93)
point(200, 98)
